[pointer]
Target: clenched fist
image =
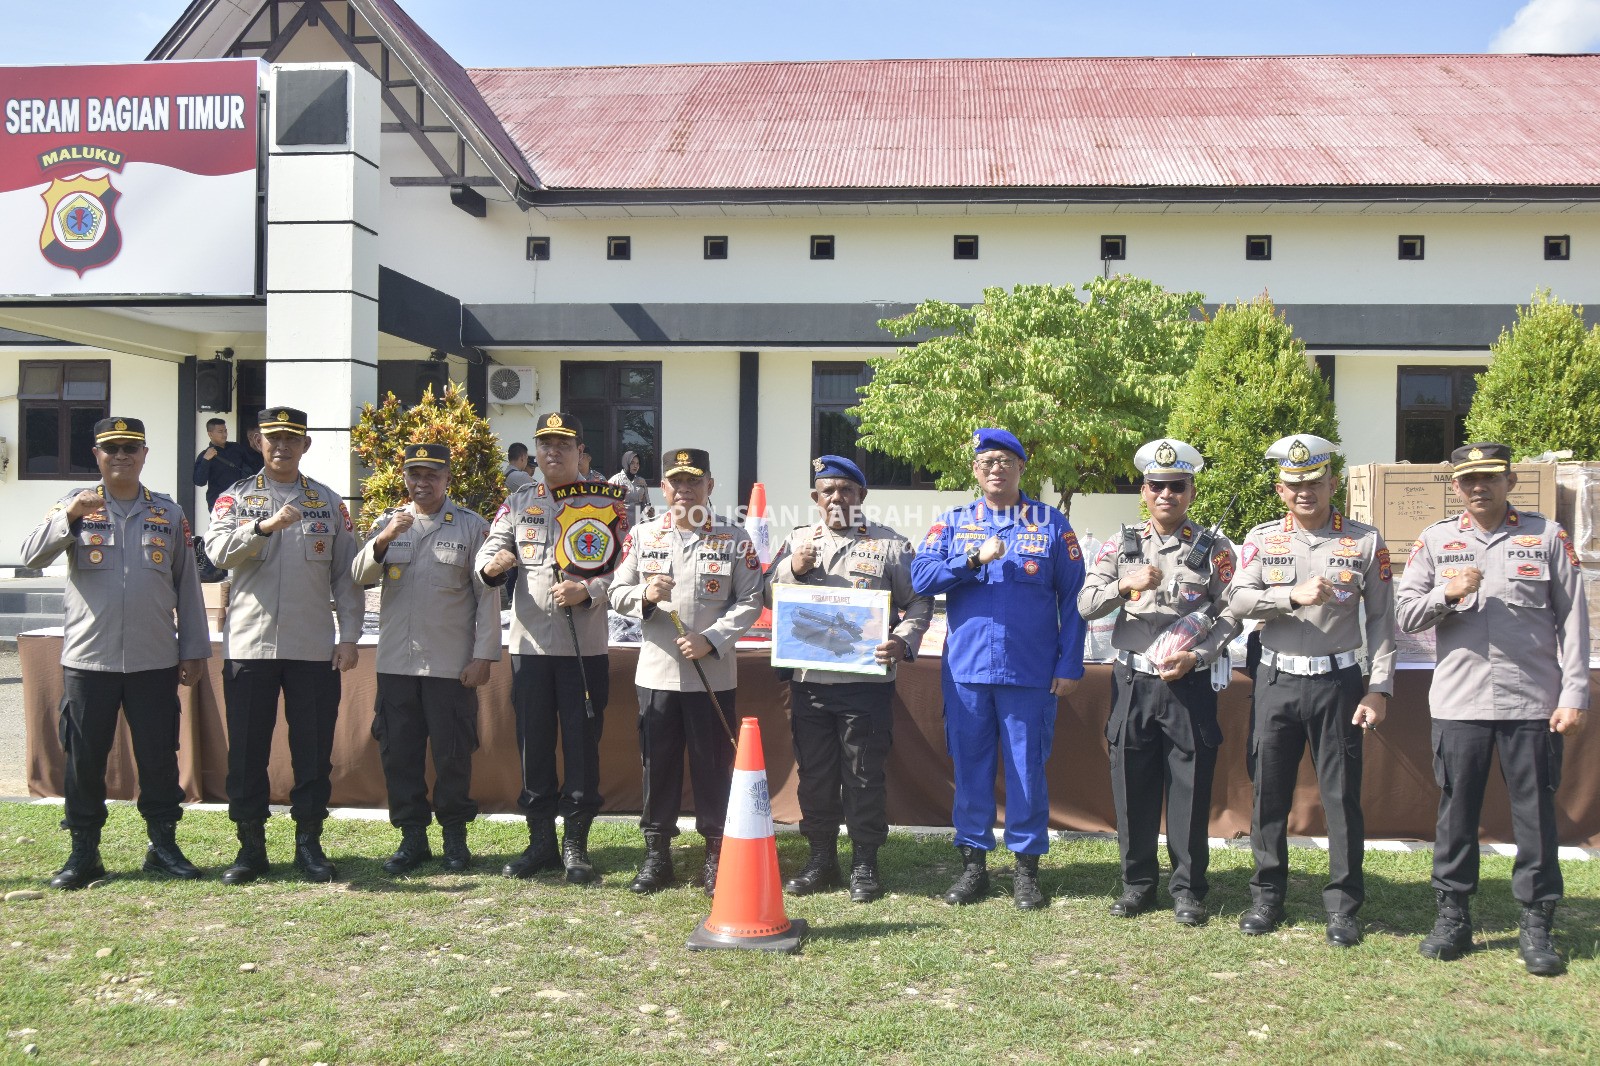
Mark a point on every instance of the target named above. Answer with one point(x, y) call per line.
point(505, 559)
point(287, 516)
point(1312, 592)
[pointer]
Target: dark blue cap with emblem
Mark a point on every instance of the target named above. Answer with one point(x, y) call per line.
point(836, 466)
point(987, 440)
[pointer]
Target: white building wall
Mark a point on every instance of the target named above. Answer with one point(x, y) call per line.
point(1364, 398)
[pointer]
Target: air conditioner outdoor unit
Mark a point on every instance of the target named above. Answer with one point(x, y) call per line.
point(513, 384)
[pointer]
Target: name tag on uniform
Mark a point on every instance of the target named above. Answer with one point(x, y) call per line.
point(1033, 544)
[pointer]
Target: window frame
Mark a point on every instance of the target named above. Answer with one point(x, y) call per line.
point(613, 404)
point(1264, 240)
point(821, 252)
point(619, 249)
point(920, 480)
point(1122, 246)
point(956, 249)
point(1422, 248)
point(63, 408)
point(709, 252)
point(1552, 242)
point(1453, 415)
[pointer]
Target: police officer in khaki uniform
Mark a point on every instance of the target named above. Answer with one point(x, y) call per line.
point(287, 541)
point(549, 679)
point(130, 571)
point(707, 573)
point(1308, 576)
point(1502, 590)
point(1162, 730)
point(438, 637)
point(843, 722)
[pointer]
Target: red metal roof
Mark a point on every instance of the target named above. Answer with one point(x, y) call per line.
point(1080, 122)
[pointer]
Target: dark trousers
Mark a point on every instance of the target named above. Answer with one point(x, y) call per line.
point(1530, 763)
point(412, 714)
point(1163, 740)
point(89, 703)
point(842, 735)
point(1290, 713)
point(669, 722)
point(310, 690)
point(547, 692)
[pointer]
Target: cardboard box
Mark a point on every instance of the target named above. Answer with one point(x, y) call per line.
point(1403, 499)
point(1578, 507)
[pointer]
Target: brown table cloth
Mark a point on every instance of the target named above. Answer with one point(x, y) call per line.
point(1398, 793)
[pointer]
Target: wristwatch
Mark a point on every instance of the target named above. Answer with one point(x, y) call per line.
point(258, 531)
point(972, 556)
point(1199, 660)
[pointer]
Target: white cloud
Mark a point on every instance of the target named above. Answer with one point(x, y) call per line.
point(1552, 26)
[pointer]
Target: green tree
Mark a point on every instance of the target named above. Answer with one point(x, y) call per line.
point(1250, 385)
point(1542, 392)
point(380, 436)
point(1081, 382)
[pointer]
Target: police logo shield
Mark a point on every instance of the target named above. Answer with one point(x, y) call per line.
point(589, 528)
point(80, 226)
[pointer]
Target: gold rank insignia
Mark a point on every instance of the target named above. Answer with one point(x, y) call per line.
point(394, 573)
point(121, 425)
point(1475, 454)
point(553, 422)
point(1165, 455)
point(159, 542)
point(1449, 571)
point(283, 416)
point(1298, 452)
point(157, 557)
point(816, 465)
point(1276, 575)
point(449, 516)
point(1346, 576)
point(683, 457)
point(528, 551)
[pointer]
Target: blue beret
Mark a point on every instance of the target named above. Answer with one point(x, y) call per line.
point(837, 466)
point(987, 440)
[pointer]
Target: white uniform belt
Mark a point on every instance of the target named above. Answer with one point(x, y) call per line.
point(1307, 665)
point(1138, 662)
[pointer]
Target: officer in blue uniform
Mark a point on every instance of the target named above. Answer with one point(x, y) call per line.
point(1010, 568)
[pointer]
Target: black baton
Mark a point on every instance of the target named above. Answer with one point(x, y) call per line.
point(715, 704)
point(572, 627)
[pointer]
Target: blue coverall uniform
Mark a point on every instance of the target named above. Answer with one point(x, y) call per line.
point(1013, 627)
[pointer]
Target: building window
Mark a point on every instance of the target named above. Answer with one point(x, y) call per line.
point(1258, 246)
point(1411, 246)
point(1432, 404)
point(1113, 246)
point(1558, 247)
point(538, 248)
point(619, 405)
point(716, 247)
point(619, 247)
point(833, 431)
point(821, 247)
point(58, 403)
point(966, 246)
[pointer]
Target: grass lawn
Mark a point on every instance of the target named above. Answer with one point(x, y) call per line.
point(474, 968)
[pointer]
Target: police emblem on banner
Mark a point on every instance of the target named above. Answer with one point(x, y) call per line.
point(80, 225)
point(590, 528)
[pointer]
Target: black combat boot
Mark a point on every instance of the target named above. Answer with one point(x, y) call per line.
point(655, 873)
point(1452, 930)
point(412, 852)
point(1025, 892)
point(865, 884)
point(1538, 955)
point(308, 854)
point(540, 855)
point(575, 851)
point(456, 856)
point(83, 864)
point(973, 884)
point(163, 855)
point(707, 877)
point(251, 861)
point(821, 869)
point(1263, 917)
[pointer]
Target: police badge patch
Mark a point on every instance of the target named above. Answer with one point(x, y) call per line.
point(80, 226)
point(589, 528)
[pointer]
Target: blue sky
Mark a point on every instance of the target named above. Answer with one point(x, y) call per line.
point(523, 33)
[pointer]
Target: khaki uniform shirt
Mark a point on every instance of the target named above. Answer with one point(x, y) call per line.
point(279, 607)
point(436, 613)
point(1147, 614)
point(717, 594)
point(1278, 555)
point(126, 583)
point(1516, 649)
point(867, 556)
point(526, 524)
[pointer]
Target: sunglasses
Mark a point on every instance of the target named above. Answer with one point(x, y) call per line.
point(1177, 488)
point(121, 449)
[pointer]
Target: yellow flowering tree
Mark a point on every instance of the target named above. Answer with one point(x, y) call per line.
point(379, 441)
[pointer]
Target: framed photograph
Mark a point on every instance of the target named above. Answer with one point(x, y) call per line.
point(819, 628)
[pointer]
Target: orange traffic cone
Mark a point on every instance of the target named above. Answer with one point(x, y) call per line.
point(747, 910)
point(759, 528)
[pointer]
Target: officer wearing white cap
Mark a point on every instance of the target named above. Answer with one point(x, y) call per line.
point(438, 637)
point(130, 571)
point(1010, 568)
point(288, 543)
point(1502, 590)
point(560, 667)
point(1308, 576)
point(843, 722)
point(1162, 730)
point(707, 573)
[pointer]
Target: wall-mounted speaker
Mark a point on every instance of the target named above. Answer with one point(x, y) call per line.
point(213, 385)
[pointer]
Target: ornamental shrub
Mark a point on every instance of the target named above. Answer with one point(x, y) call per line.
point(380, 436)
point(1250, 385)
point(1542, 392)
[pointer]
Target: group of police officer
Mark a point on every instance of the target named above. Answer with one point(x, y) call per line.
point(1499, 586)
